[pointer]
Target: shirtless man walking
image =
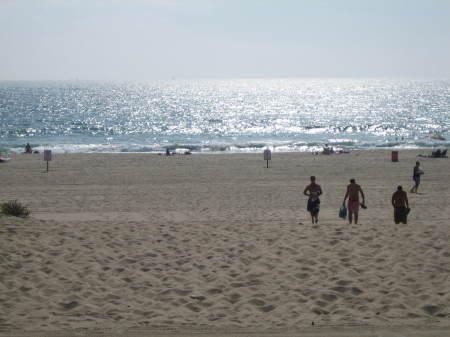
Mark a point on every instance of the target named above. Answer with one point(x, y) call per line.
point(313, 191)
point(353, 191)
point(401, 205)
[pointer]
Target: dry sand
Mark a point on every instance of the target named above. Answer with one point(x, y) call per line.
point(219, 242)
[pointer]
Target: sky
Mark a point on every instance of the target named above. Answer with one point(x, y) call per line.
point(138, 40)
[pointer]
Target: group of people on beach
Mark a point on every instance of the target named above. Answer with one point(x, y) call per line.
point(399, 199)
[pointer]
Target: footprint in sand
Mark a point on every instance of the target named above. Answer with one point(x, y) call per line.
point(69, 305)
point(256, 302)
point(319, 311)
point(214, 291)
point(329, 297)
point(302, 276)
point(267, 308)
point(344, 282)
point(431, 309)
point(233, 298)
point(193, 307)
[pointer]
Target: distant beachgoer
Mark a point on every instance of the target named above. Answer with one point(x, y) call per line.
point(353, 191)
point(28, 148)
point(417, 172)
point(313, 191)
point(437, 153)
point(167, 152)
point(401, 205)
point(327, 149)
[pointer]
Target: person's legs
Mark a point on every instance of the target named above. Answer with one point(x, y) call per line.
point(416, 185)
point(353, 208)
point(310, 209)
point(396, 216)
point(313, 208)
point(400, 214)
point(403, 214)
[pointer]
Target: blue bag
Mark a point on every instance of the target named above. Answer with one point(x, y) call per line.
point(343, 212)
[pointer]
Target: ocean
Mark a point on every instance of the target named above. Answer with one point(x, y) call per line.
point(225, 116)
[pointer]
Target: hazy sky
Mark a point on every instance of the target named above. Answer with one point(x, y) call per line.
point(163, 39)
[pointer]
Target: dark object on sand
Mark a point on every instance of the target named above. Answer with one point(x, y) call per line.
point(439, 154)
point(436, 154)
point(14, 208)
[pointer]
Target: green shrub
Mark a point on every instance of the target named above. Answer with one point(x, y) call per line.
point(14, 208)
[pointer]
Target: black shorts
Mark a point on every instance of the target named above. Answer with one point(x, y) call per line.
point(313, 206)
point(400, 214)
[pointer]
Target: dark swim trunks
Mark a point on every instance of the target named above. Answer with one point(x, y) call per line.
point(313, 206)
point(353, 206)
point(400, 215)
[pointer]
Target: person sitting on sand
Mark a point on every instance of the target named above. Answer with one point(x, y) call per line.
point(28, 148)
point(401, 205)
point(353, 191)
point(417, 172)
point(439, 153)
point(327, 149)
point(436, 153)
point(313, 191)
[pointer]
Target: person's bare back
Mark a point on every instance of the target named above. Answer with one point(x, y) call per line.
point(353, 191)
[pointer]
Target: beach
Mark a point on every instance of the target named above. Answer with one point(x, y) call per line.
point(129, 241)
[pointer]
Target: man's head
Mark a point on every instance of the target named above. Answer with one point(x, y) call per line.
point(417, 163)
point(399, 188)
point(313, 179)
point(352, 181)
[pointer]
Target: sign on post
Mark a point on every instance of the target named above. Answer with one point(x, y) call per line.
point(394, 156)
point(47, 156)
point(267, 156)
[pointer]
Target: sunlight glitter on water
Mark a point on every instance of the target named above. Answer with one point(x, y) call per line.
point(223, 114)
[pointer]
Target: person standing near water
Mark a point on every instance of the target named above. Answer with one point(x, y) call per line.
point(353, 191)
point(417, 172)
point(28, 148)
point(313, 191)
